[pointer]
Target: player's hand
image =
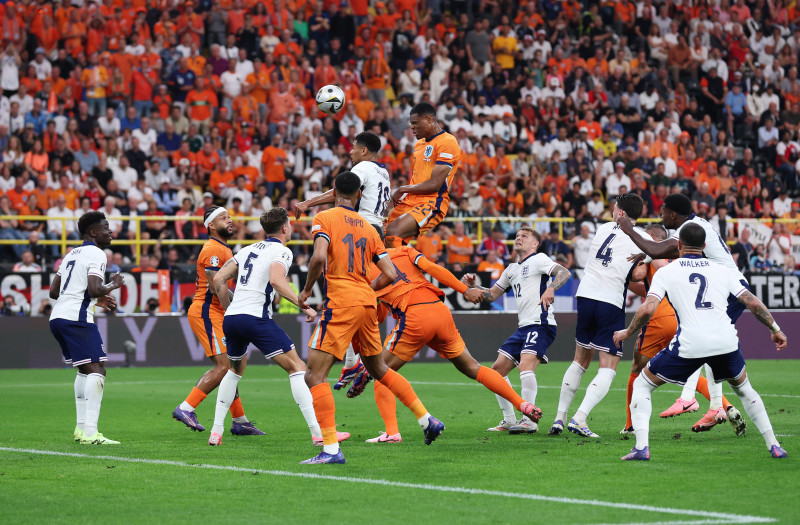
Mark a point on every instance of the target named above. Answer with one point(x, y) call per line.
point(397, 194)
point(311, 314)
point(299, 209)
point(302, 298)
point(469, 279)
point(620, 335)
point(547, 298)
point(624, 222)
point(473, 295)
point(117, 281)
point(107, 302)
point(637, 257)
point(779, 338)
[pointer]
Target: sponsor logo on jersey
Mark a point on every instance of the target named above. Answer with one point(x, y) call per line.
point(214, 261)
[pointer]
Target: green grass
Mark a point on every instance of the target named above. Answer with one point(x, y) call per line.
point(714, 471)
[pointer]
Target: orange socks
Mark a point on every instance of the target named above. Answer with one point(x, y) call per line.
point(387, 406)
point(401, 388)
point(631, 379)
point(236, 409)
point(325, 410)
point(196, 396)
point(702, 387)
point(492, 380)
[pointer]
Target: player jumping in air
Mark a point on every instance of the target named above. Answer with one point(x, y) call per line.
point(205, 318)
point(344, 245)
point(260, 270)
point(422, 204)
point(698, 289)
point(77, 287)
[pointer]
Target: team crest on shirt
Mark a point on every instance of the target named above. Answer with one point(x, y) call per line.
point(525, 272)
point(214, 261)
point(428, 152)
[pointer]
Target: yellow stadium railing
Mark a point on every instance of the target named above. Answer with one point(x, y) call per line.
point(137, 241)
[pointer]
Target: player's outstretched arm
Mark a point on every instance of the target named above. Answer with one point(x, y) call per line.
point(315, 267)
point(432, 185)
point(446, 278)
point(763, 314)
point(560, 276)
point(643, 315)
point(387, 276)
point(302, 207)
point(657, 250)
point(96, 287)
point(279, 281)
point(219, 281)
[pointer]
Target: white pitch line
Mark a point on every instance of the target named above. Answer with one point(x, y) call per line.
point(273, 380)
point(714, 517)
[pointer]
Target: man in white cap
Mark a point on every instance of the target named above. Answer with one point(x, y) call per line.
point(553, 90)
point(43, 67)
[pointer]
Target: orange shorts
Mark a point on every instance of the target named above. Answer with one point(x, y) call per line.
point(656, 335)
point(424, 211)
point(428, 324)
point(340, 326)
point(209, 332)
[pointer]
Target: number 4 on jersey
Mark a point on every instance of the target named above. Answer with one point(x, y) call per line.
point(604, 253)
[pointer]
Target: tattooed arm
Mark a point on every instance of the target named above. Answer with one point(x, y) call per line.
point(643, 315)
point(762, 314)
point(560, 276)
point(218, 281)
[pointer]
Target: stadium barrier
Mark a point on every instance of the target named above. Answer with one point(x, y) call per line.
point(760, 231)
point(153, 340)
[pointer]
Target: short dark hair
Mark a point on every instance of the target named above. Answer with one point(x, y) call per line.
point(88, 220)
point(679, 203)
point(273, 220)
point(693, 235)
point(424, 109)
point(370, 140)
point(632, 204)
point(347, 184)
point(657, 227)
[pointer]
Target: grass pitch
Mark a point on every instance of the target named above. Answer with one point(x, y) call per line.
point(164, 473)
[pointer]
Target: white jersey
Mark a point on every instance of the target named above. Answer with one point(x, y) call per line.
point(715, 250)
point(528, 279)
point(254, 293)
point(374, 191)
point(698, 290)
point(74, 303)
point(582, 249)
point(608, 270)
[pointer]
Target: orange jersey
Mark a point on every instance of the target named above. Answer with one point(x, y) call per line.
point(214, 254)
point(664, 308)
point(353, 244)
point(411, 286)
point(442, 149)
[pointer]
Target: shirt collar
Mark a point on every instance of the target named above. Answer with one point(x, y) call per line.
point(692, 256)
point(225, 244)
point(433, 137)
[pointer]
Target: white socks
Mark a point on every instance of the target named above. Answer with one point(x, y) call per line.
point(529, 386)
point(569, 385)
point(226, 393)
point(690, 386)
point(350, 357)
point(304, 399)
point(93, 393)
point(641, 408)
point(186, 407)
point(506, 406)
point(423, 421)
point(756, 411)
point(80, 400)
point(714, 390)
point(595, 393)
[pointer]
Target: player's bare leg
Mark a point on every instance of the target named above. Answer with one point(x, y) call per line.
point(755, 409)
point(94, 386)
point(569, 386)
point(595, 392)
point(403, 227)
point(185, 412)
point(637, 365)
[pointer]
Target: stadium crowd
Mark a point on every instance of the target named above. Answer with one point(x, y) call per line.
point(153, 108)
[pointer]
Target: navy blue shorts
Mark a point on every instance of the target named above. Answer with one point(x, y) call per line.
point(672, 368)
point(532, 339)
point(241, 330)
point(80, 342)
point(597, 322)
point(736, 307)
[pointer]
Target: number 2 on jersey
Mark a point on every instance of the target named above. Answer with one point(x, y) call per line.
point(351, 256)
point(70, 267)
point(604, 253)
point(699, 303)
point(248, 266)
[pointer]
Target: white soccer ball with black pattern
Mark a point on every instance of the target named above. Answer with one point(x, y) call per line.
point(330, 99)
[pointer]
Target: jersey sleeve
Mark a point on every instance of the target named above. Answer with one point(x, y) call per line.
point(504, 282)
point(360, 172)
point(658, 286)
point(321, 227)
point(735, 286)
point(543, 263)
point(441, 274)
point(378, 248)
point(448, 153)
point(97, 264)
point(285, 258)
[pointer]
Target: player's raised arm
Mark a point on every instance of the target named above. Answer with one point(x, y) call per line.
point(445, 277)
point(763, 314)
point(656, 249)
point(219, 281)
point(278, 280)
point(488, 295)
point(432, 185)
point(302, 207)
point(560, 277)
point(388, 273)
point(643, 315)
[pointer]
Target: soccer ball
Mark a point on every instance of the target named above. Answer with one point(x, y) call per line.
point(330, 99)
